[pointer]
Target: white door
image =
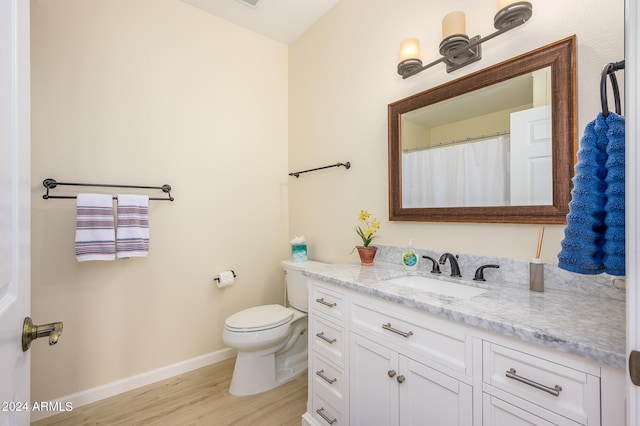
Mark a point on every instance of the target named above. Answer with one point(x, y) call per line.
point(632, 113)
point(531, 157)
point(14, 210)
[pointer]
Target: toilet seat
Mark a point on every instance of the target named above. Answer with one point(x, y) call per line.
point(259, 318)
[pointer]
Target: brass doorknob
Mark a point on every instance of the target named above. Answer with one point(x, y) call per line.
point(31, 332)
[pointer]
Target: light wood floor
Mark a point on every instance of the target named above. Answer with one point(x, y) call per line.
point(199, 397)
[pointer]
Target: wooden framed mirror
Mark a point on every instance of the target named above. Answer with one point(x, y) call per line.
point(495, 146)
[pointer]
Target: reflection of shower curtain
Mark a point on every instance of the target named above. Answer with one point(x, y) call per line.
point(470, 174)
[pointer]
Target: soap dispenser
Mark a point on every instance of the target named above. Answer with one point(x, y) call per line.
point(410, 258)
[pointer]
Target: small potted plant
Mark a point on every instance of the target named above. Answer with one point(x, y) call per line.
point(366, 230)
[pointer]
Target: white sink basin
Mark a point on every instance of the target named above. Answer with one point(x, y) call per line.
point(432, 285)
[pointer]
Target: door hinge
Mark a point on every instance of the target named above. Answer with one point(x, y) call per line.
point(634, 367)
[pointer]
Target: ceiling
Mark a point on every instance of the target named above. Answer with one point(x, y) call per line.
point(280, 20)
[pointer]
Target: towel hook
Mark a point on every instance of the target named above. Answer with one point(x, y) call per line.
point(610, 69)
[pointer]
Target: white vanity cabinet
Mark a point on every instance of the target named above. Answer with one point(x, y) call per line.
point(328, 355)
point(375, 362)
point(404, 370)
point(388, 388)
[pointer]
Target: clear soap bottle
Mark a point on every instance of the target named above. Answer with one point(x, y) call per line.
point(410, 258)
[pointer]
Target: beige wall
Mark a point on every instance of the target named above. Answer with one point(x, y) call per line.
point(488, 124)
point(151, 92)
point(342, 77)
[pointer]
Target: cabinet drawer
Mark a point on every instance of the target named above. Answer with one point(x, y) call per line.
point(328, 339)
point(556, 387)
point(496, 412)
point(327, 377)
point(327, 302)
point(324, 412)
point(428, 336)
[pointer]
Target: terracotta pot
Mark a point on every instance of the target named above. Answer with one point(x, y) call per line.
point(366, 255)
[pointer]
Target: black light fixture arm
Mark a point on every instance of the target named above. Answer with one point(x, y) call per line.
point(458, 50)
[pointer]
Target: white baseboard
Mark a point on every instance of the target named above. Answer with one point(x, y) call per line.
point(124, 385)
point(307, 420)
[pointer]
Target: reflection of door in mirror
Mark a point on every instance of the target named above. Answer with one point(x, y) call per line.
point(531, 157)
point(483, 148)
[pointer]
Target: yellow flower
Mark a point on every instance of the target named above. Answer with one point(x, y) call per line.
point(371, 226)
point(363, 216)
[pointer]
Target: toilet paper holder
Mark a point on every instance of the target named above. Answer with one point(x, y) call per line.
point(218, 277)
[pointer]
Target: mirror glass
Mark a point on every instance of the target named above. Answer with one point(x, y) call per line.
point(494, 146)
point(466, 141)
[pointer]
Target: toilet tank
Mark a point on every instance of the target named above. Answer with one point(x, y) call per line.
point(297, 283)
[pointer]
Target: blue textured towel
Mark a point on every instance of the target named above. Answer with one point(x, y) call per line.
point(594, 235)
point(614, 254)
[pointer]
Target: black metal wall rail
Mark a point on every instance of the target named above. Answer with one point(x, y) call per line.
point(50, 184)
point(346, 165)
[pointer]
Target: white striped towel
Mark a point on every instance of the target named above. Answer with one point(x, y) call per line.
point(133, 226)
point(95, 232)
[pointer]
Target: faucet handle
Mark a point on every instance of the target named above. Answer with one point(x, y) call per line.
point(480, 272)
point(435, 269)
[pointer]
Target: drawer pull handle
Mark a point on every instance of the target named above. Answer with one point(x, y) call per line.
point(329, 304)
point(555, 391)
point(325, 378)
point(400, 379)
point(325, 338)
point(320, 411)
point(391, 373)
point(387, 326)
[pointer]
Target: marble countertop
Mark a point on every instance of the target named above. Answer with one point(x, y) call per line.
point(588, 326)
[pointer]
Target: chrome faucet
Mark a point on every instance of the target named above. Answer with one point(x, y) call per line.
point(455, 268)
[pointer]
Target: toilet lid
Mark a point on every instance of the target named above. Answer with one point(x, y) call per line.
point(259, 317)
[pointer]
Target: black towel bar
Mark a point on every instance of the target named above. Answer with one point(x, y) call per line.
point(346, 165)
point(52, 183)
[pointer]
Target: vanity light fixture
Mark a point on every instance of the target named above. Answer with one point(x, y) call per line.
point(456, 48)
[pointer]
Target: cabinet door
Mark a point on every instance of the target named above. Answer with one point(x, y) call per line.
point(429, 397)
point(373, 386)
point(496, 412)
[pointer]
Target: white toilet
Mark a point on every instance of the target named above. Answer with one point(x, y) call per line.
point(271, 340)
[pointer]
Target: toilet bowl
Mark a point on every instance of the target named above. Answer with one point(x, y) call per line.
point(270, 340)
